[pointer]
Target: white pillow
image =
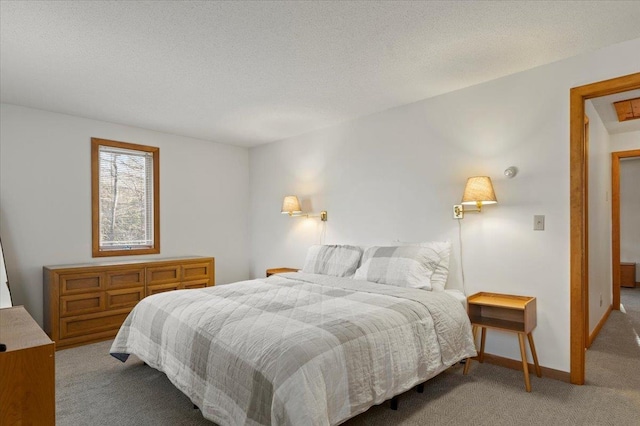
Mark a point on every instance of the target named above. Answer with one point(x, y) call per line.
point(402, 266)
point(336, 260)
point(442, 249)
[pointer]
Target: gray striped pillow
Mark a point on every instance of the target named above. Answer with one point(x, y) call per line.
point(442, 249)
point(423, 266)
point(335, 260)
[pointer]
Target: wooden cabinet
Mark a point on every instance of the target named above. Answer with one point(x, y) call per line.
point(505, 312)
point(627, 274)
point(27, 377)
point(87, 303)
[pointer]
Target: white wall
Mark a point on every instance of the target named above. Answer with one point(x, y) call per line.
point(629, 208)
point(600, 278)
point(395, 175)
point(625, 141)
point(45, 197)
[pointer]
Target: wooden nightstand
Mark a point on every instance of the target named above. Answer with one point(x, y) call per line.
point(273, 271)
point(505, 312)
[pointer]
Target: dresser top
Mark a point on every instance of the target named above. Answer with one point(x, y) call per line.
point(129, 262)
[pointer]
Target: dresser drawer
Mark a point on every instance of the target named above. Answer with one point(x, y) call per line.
point(124, 298)
point(196, 271)
point(79, 304)
point(196, 284)
point(161, 288)
point(74, 283)
point(125, 278)
point(163, 274)
point(85, 325)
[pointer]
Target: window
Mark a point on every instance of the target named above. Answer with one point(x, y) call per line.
point(125, 183)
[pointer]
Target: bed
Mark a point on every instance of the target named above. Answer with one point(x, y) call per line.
point(300, 348)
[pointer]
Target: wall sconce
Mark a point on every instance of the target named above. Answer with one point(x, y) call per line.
point(478, 191)
point(291, 206)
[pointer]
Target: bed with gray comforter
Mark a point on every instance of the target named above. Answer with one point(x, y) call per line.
point(296, 349)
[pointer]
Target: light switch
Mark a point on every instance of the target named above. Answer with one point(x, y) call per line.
point(538, 222)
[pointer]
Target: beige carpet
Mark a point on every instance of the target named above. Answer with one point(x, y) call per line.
point(92, 388)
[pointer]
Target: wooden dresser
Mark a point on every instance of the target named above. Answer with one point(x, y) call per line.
point(27, 377)
point(88, 303)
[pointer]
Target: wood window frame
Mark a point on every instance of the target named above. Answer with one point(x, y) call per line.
point(95, 198)
point(578, 189)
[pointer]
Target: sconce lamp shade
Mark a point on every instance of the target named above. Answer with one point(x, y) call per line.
point(291, 205)
point(479, 191)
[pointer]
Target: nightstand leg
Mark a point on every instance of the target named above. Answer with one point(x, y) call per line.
point(482, 338)
point(535, 356)
point(525, 366)
point(466, 366)
point(474, 330)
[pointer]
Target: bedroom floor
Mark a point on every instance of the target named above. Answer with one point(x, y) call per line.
point(92, 388)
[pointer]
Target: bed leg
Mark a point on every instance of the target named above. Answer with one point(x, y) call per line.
point(195, 407)
point(394, 403)
point(420, 388)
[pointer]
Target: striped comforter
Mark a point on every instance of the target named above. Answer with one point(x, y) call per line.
point(295, 349)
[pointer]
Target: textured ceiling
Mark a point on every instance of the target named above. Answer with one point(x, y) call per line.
point(247, 73)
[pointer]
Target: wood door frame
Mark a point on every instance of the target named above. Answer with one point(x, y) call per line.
point(615, 219)
point(578, 209)
point(585, 267)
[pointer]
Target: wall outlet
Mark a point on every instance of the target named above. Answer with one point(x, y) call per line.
point(538, 222)
point(458, 213)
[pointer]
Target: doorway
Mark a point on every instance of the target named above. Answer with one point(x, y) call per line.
point(578, 213)
point(615, 219)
